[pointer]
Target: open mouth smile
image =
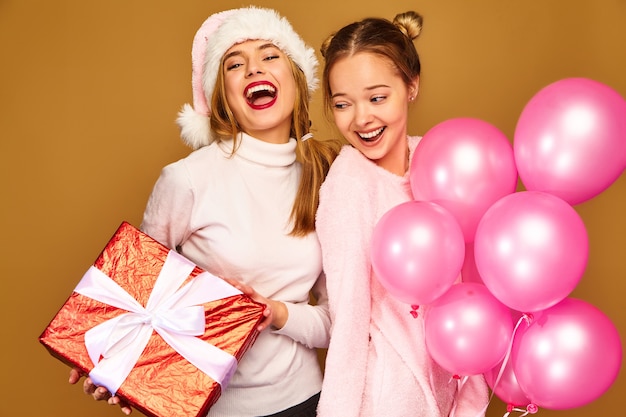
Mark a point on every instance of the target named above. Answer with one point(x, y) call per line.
point(260, 95)
point(371, 136)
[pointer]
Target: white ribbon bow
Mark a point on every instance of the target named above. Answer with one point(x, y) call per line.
point(175, 313)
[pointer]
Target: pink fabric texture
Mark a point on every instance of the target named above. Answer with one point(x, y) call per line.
point(198, 52)
point(377, 363)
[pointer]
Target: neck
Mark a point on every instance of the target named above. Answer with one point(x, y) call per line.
point(274, 135)
point(397, 160)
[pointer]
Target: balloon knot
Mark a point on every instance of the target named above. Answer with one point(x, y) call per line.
point(532, 408)
point(455, 376)
point(414, 308)
point(509, 407)
point(528, 317)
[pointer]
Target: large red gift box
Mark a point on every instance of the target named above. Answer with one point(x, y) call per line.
point(194, 326)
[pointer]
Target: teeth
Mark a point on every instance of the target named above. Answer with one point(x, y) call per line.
point(371, 134)
point(257, 88)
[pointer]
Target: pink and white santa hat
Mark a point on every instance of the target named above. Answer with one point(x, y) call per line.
point(218, 34)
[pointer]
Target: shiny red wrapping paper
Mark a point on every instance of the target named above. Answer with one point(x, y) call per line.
point(162, 383)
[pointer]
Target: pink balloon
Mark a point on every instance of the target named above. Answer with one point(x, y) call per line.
point(465, 165)
point(570, 139)
point(568, 356)
point(531, 250)
point(506, 388)
point(417, 251)
point(467, 331)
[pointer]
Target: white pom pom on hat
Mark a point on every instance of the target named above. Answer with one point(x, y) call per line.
point(216, 36)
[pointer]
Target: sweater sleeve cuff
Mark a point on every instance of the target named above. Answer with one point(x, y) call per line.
point(307, 324)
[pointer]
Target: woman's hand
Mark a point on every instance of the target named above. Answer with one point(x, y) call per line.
point(98, 393)
point(275, 313)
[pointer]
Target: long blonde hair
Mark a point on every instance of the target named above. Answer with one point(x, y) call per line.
point(315, 155)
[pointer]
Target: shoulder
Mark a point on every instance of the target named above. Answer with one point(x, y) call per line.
point(200, 156)
point(350, 162)
point(413, 142)
point(344, 170)
point(349, 181)
point(195, 165)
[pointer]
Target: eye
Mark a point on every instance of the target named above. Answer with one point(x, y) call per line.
point(340, 105)
point(378, 99)
point(232, 66)
point(271, 53)
point(233, 63)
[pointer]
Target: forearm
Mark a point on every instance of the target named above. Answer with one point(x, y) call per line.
point(307, 324)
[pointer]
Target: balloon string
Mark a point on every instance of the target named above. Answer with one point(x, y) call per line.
point(460, 382)
point(526, 317)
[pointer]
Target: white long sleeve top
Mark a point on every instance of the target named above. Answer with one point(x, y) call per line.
point(229, 214)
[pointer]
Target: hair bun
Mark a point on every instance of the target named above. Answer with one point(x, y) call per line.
point(410, 23)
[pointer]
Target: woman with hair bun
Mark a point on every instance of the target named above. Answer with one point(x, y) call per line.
point(377, 363)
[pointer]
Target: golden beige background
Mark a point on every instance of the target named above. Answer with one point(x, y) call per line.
point(88, 95)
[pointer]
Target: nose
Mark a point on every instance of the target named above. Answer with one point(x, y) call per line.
point(254, 67)
point(362, 116)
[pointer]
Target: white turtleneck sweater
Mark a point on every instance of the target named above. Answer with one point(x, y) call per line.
point(229, 214)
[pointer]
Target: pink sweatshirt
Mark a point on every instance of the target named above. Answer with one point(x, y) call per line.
point(377, 363)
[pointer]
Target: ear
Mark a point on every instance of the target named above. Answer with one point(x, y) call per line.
point(414, 88)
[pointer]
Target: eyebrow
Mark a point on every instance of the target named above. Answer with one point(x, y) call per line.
point(260, 48)
point(373, 87)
